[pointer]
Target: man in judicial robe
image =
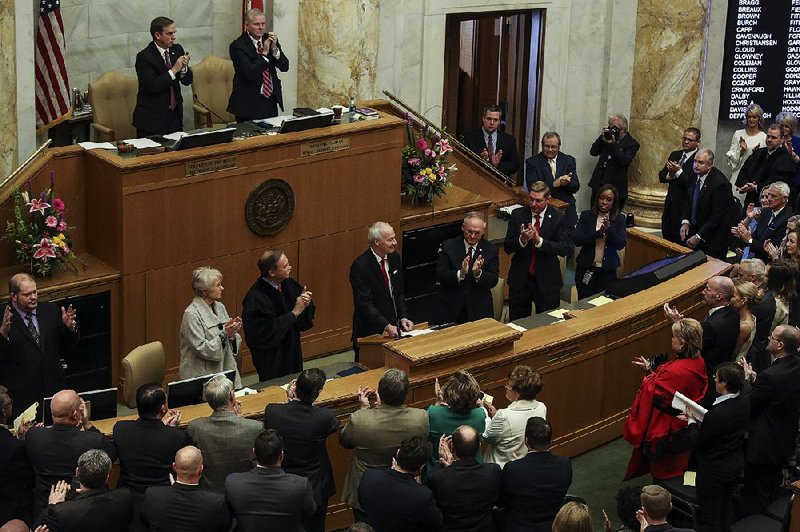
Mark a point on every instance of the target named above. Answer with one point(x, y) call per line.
point(275, 311)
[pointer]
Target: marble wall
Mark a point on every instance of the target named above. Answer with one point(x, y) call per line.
point(8, 89)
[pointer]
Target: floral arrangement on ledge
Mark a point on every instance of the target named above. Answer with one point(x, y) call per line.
point(39, 231)
point(425, 170)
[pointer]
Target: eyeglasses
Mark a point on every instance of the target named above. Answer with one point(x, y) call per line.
point(688, 139)
point(773, 338)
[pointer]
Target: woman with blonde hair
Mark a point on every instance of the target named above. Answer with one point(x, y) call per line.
point(573, 517)
point(745, 296)
point(660, 445)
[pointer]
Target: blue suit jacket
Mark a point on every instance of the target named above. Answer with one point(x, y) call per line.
point(538, 169)
point(585, 235)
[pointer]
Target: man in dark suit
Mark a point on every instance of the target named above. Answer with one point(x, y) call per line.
point(771, 224)
point(534, 486)
point(16, 475)
point(710, 195)
point(374, 432)
point(225, 437)
point(493, 146)
point(556, 169)
point(184, 505)
point(755, 271)
point(615, 149)
point(656, 505)
point(765, 166)
point(305, 429)
point(678, 171)
point(465, 490)
point(161, 68)
point(95, 508)
point(376, 277)
point(392, 498)
point(34, 339)
point(54, 451)
point(275, 311)
point(147, 445)
point(536, 237)
point(468, 269)
point(774, 414)
point(256, 56)
point(719, 450)
point(268, 498)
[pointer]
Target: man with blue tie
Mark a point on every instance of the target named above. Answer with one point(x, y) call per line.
point(558, 170)
point(710, 197)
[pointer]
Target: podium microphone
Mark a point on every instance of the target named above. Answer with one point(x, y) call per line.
point(197, 100)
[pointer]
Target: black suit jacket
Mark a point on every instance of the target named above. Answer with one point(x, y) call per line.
point(769, 230)
point(585, 235)
point(152, 100)
point(146, 449)
point(54, 453)
point(720, 441)
point(473, 295)
point(93, 510)
point(305, 429)
point(394, 502)
point(185, 508)
point(374, 307)
point(538, 169)
point(509, 163)
point(466, 492)
point(268, 498)
point(764, 313)
point(32, 372)
point(764, 169)
point(246, 100)
point(612, 163)
point(712, 206)
point(270, 329)
point(533, 491)
point(555, 234)
point(677, 196)
point(720, 331)
point(666, 528)
point(16, 479)
point(774, 412)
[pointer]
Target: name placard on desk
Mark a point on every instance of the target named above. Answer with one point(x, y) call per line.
point(324, 146)
point(209, 166)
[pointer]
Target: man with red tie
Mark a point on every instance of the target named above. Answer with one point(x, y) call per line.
point(536, 237)
point(256, 56)
point(161, 69)
point(376, 277)
point(495, 147)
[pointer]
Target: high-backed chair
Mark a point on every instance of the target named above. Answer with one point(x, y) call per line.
point(211, 87)
point(113, 99)
point(143, 365)
point(497, 299)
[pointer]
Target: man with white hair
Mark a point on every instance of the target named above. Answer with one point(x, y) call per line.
point(376, 277)
point(771, 225)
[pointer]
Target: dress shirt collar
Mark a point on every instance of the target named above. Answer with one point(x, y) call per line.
point(714, 309)
point(186, 483)
point(161, 50)
point(378, 257)
point(688, 154)
point(541, 214)
point(725, 397)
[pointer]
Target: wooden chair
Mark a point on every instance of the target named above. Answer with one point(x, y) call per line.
point(113, 99)
point(211, 87)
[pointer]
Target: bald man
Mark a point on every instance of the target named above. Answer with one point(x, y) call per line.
point(184, 505)
point(54, 451)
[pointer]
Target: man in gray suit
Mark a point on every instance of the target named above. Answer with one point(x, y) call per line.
point(225, 437)
point(375, 431)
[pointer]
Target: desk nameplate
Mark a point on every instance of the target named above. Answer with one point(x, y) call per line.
point(324, 146)
point(209, 166)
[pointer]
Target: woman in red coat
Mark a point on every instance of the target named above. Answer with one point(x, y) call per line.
point(653, 429)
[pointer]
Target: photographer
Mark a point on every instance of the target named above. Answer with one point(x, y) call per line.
point(615, 149)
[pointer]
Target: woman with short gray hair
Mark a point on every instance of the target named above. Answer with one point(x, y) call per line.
point(210, 338)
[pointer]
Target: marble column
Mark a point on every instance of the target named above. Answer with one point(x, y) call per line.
point(667, 91)
point(337, 51)
point(8, 89)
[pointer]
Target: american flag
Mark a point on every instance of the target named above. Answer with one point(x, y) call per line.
point(52, 85)
point(247, 5)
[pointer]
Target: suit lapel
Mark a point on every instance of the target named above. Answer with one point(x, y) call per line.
point(20, 322)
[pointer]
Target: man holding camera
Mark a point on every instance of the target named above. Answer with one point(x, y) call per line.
point(615, 149)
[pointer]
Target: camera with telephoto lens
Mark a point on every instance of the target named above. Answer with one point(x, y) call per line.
point(611, 133)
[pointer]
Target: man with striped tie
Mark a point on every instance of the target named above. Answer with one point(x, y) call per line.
point(256, 56)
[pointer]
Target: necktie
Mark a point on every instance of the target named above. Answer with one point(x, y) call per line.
point(683, 159)
point(32, 328)
point(695, 196)
point(532, 267)
point(490, 145)
point(552, 163)
point(383, 271)
point(470, 253)
point(266, 86)
point(173, 101)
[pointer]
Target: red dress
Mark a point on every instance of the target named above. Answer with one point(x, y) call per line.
point(648, 427)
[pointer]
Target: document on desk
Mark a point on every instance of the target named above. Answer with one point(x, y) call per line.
point(690, 478)
point(599, 301)
point(417, 332)
point(558, 313)
point(516, 327)
point(175, 136)
point(142, 143)
point(97, 145)
point(684, 404)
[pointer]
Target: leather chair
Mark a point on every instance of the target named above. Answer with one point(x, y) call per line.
point(211, 87)
point(143, 365)
point(113, 99)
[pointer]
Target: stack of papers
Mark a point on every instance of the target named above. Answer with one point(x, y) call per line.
point(142, 143)
point(28, 415)
point(684, 404)
point(97, 145)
